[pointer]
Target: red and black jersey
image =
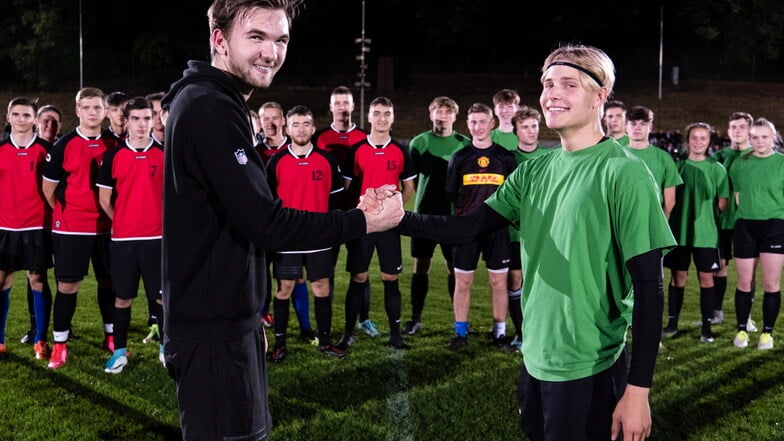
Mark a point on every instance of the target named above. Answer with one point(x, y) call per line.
point(73, 164)
point(474, 174)
point(371, 166)
point(136, 176)
point(337, 142)
point(304, 182)
point(113, 139)
point(22, 204)
point(266, 151)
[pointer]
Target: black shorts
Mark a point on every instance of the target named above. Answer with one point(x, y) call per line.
point(578, 410)
point(221, 387)
point(72, 254)
point(29, 250)
point(706, 260)
point(725, 244)
point(132, 259)
point(494, 248)
point(288, 266)
point(753, 237)
point(515, 262)
point(424, 248)
point(360, 251)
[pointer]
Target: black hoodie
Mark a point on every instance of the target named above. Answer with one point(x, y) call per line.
point(219, 215)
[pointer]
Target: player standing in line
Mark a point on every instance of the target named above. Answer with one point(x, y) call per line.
point(615, 121)
point(114, 135)
point(430, 154)
point(738, 131)
point(219, 218)
point(758, 183)
point(158, 129)
point(80, 228)
point(130, 190)
point(308, 179)
point(693, 222)
point(376, 161)
point(526, 126)
point(506, 102)
point(473, 174)
point(48, 122)
point(337, 139)
point(591, 234)
point(25, 221)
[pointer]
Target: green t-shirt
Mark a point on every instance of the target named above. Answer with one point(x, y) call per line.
point(623, 140)
point(661, 165)
point(759, 183)
point(726, 157)
point(694, 219)
point(582, 215)
point(507, 140)
point(430, 156)
point(521, 157)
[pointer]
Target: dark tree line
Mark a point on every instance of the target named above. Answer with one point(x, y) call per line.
point(146, 43)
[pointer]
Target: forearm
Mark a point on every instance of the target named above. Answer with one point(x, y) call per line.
point(646, 273)
point(452, 229)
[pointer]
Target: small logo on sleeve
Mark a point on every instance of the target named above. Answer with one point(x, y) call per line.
point(241, 157)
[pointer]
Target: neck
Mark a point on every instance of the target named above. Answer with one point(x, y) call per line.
point(118, 130)
point(341, 124)
point(301, 149)
point(506, 127)
point(764, 154)
point(22, 138)
point(89, 131)
point(740, 146)
point(581, 138)
point(245, 89)
point(139, 143)
point(696, 156)
point(482, 143)
point(443, 131)
point(274, 141)
point(638, 145)
point(379, 138)
point(528, 148)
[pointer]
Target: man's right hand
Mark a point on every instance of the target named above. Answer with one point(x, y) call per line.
point(383, 208)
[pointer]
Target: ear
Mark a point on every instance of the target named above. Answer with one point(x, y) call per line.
point(218, 40)
point(601, 97)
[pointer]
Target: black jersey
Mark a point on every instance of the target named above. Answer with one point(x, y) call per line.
point(474, 174)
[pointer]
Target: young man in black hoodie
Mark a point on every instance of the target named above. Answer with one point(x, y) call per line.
point(220, 217)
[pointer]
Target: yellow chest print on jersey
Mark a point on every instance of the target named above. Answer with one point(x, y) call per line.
point(483, 178)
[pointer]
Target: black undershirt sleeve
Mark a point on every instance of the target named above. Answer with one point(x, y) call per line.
point(452, 229)
point(646, 274)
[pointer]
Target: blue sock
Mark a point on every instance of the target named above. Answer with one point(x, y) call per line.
point(461, 329)
point(5, 303)
point(41, 325)
point(301, 299)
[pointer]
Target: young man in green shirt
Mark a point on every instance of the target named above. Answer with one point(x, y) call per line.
point(505, 103)
point(615, 121)
point(693, 222)
point(592, 233)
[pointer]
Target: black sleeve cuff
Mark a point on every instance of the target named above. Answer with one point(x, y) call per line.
point(646, 274)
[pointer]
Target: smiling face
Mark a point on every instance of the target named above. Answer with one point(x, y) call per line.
point(566, 103)
point(21, 118)
point(698, 142)
point(480, 125)
point(255, 47)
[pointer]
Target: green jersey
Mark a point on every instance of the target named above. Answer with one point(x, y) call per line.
point(694, 219)
point(430, 155)
point(661, 165)
point(726, 157)
point(507, 140)
point(759, 183)
point(521, 157)
point(582, 215)
point(623, 140)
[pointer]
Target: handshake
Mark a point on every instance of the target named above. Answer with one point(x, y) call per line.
point(383, 208)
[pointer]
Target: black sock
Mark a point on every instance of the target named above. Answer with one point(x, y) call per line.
point(720, 289)
point(674, 304)
point(122, 321)
point(353, 305)
point(516, 311)
point(31, 309)
point(48, 300)
point(106, 305)
point(280, 309)
point(742, 308)
point(392, 306)
point(419, 286)
point(64, 308)
point(323, 307)
point(771, 304)
point(707, 300)
point(450, 283)
point(364, 310)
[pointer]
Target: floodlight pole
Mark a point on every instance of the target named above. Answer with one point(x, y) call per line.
point(364, 47)
point(81, 49)
point(661, 48)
